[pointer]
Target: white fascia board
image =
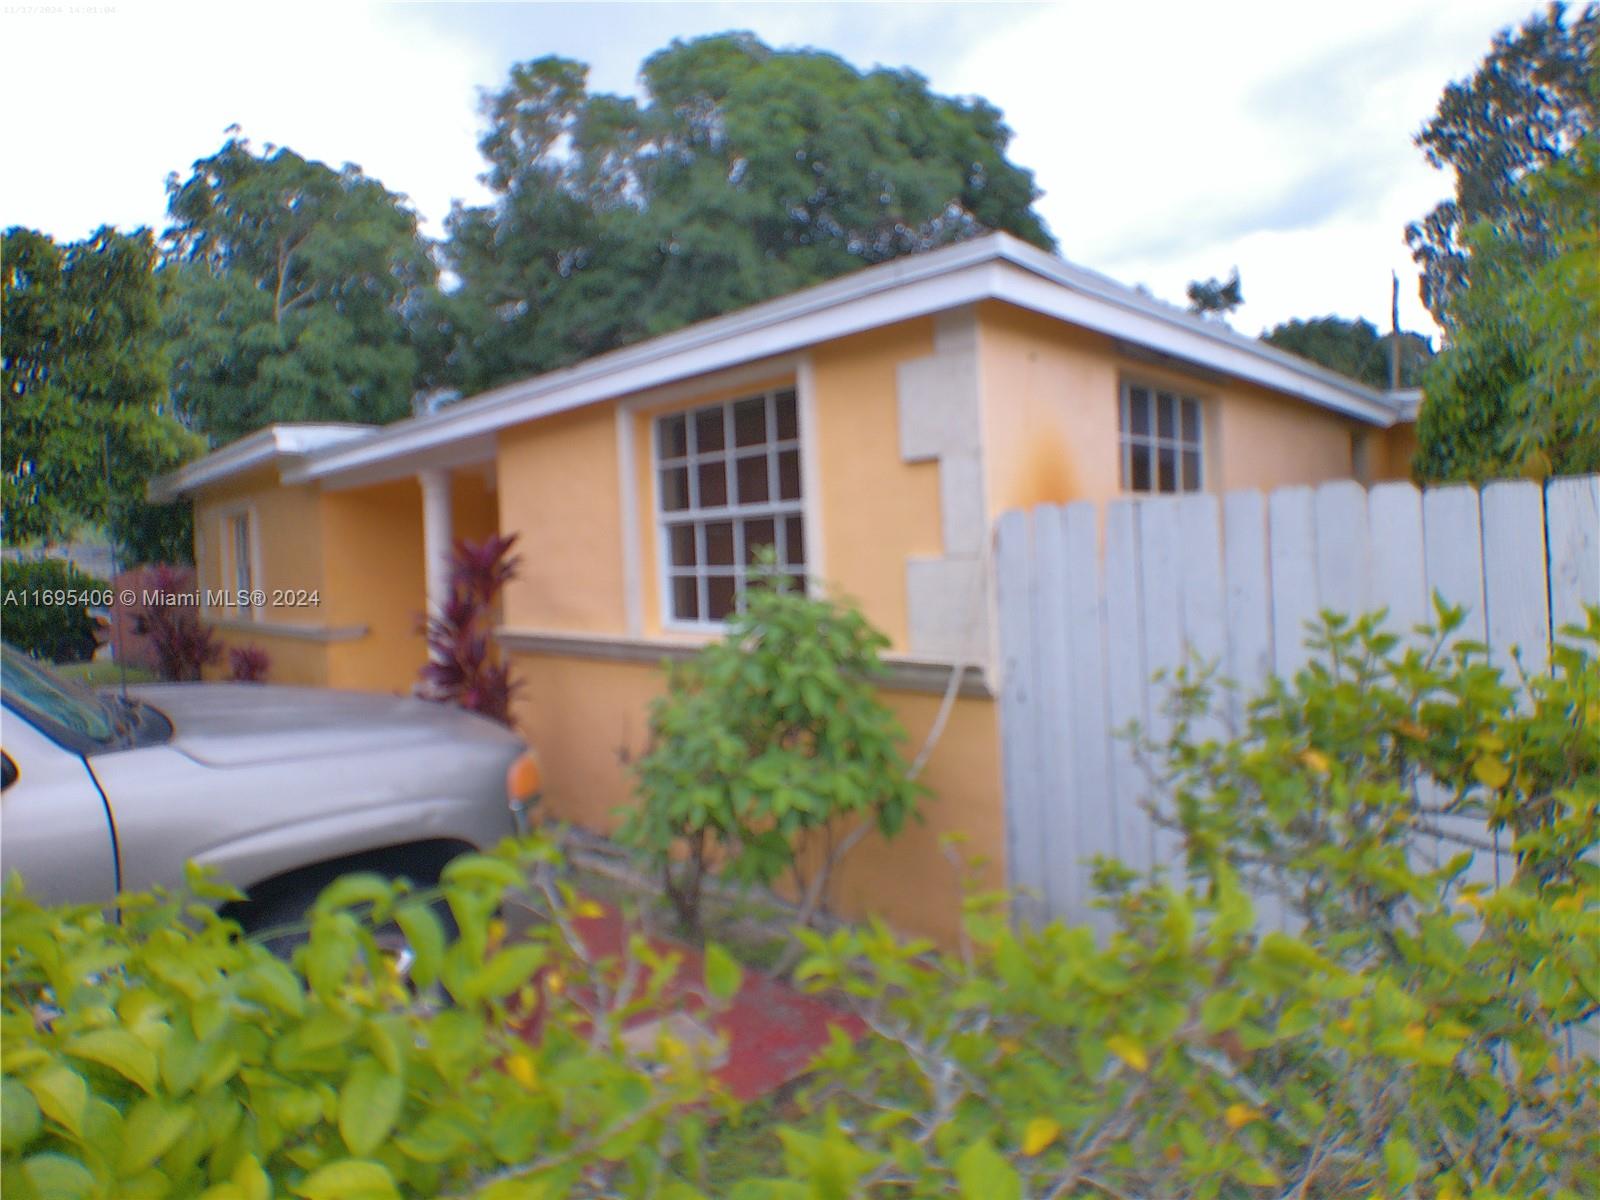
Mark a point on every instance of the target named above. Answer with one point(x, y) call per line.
point(254, 450)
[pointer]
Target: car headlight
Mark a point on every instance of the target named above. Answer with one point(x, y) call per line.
point(523, 783)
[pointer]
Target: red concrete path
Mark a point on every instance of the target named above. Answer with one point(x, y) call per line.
point(772, 1031)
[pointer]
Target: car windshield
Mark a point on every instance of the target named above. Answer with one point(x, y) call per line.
point(61, 707)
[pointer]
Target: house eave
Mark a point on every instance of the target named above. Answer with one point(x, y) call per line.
point(274, 444)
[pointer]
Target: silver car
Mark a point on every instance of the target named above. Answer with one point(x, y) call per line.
point(280, 789)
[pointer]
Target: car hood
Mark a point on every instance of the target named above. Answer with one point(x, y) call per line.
point(240, 724)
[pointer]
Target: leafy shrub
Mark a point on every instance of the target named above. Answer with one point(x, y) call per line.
point(248, 664)
point(54, 632)
point(1421, 1035)
point(770, 752)
point(158, 630)
point(165, 1056)
point(461, 668)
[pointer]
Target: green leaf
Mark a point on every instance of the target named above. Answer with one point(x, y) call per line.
point(62, 1094)
point(349, 1179)
point(119, 1050)
point(1401, 1161)
point(723, 975)
point(505, 972)
point(151, 1128)
point(58, 1177)
point(19, 1115)
point(983, 1174)
point(369, 1106)
point(425, 937)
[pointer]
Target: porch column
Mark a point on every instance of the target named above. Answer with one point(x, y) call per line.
point(436, 527)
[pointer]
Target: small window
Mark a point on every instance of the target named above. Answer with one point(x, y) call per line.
point(241, 578)
point(1160, 434)
point(727, 487)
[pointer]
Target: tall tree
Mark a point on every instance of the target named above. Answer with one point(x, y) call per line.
point(1531, 101)
point(84, 404)
point(743, 173)
point(1353, 348)
point(1215, 297)
point(293, 290)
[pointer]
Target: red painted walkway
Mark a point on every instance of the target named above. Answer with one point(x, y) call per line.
point(772, 1030)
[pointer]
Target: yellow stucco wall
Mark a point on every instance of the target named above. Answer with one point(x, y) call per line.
point(1050, 403)
point(589, 719)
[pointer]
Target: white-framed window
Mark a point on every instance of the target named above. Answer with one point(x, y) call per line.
point(239, 570)
point(727, 484)
point(1162, 442)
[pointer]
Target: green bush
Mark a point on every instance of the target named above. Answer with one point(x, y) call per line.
point(771, 753)
point(165, 1056)
point(1419, 1036)
point(52, 630)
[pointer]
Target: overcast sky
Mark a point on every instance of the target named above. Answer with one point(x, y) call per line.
point(1173, 140)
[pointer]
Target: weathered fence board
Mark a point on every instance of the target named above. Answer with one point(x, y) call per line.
point(1088, 616)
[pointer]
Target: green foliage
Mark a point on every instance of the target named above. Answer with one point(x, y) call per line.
point(292, 288)
point(55, 632)
point(771, 752)
point(1415, 1037)
point(84, 398)
point(1517, 389)
point(1215, 297)
point(1353, 348)
point(165, 1056)
point(742, 173)
point(1535, 96)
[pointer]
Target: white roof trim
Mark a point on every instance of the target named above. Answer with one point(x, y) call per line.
point(258, 449)
point(995, 267)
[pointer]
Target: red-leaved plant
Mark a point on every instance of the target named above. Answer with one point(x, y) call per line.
point(179, 640)
point(461, 667)
point(248, 664)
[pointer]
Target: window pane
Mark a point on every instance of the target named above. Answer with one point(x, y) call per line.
point(1191, 421)
point(708, 430)
point(1167, 459)
point(1191, 470)
point(789, 474)
point(1138, 410)
point(674, 488)
point(685, 598)
point(788, 418)
point(674, 439)
point(750, 421)
point(797, 584)
point(1139, 464)
point(758, 534)
point(681, 541)
point(721, 597)
point(794, 542)
point(713, 484)
point(1167, 415)
point(719, 543)
point(752, 474)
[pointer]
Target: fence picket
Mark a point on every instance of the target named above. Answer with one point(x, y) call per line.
point(1453, 553)
point(1342, 558)
point(1092, 798)
point(1572, 513)
point(1018, 732)
point(1249, 599)
point(1052, 670)
point(1126, 680)
point(1291, 549)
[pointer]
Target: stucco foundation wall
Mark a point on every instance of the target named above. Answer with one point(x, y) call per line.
point(590, 719)
point(1050, 403)
point(292, 661)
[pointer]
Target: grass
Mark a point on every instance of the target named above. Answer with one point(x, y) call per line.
point(102, 674)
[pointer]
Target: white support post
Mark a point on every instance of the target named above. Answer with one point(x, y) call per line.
point(436, 530)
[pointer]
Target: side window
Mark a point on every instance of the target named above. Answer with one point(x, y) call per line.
point(239, 543)
point(727, 485)
point(1161, 440)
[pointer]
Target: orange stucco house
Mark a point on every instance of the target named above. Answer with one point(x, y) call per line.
point(871, 429)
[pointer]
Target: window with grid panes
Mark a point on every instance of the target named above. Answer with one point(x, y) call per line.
point(1160, 439)
point(727, 484)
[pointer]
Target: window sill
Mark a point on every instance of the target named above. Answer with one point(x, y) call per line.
point(284, 629)
point(903, 672)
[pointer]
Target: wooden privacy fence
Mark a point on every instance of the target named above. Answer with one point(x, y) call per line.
point(1234, 580)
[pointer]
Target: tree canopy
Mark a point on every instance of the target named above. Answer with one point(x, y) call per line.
point(1215, 297)
point(292, 289)
point(87, 421)
point(1353, 348)
point(1512, 264)
point(743, 173)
